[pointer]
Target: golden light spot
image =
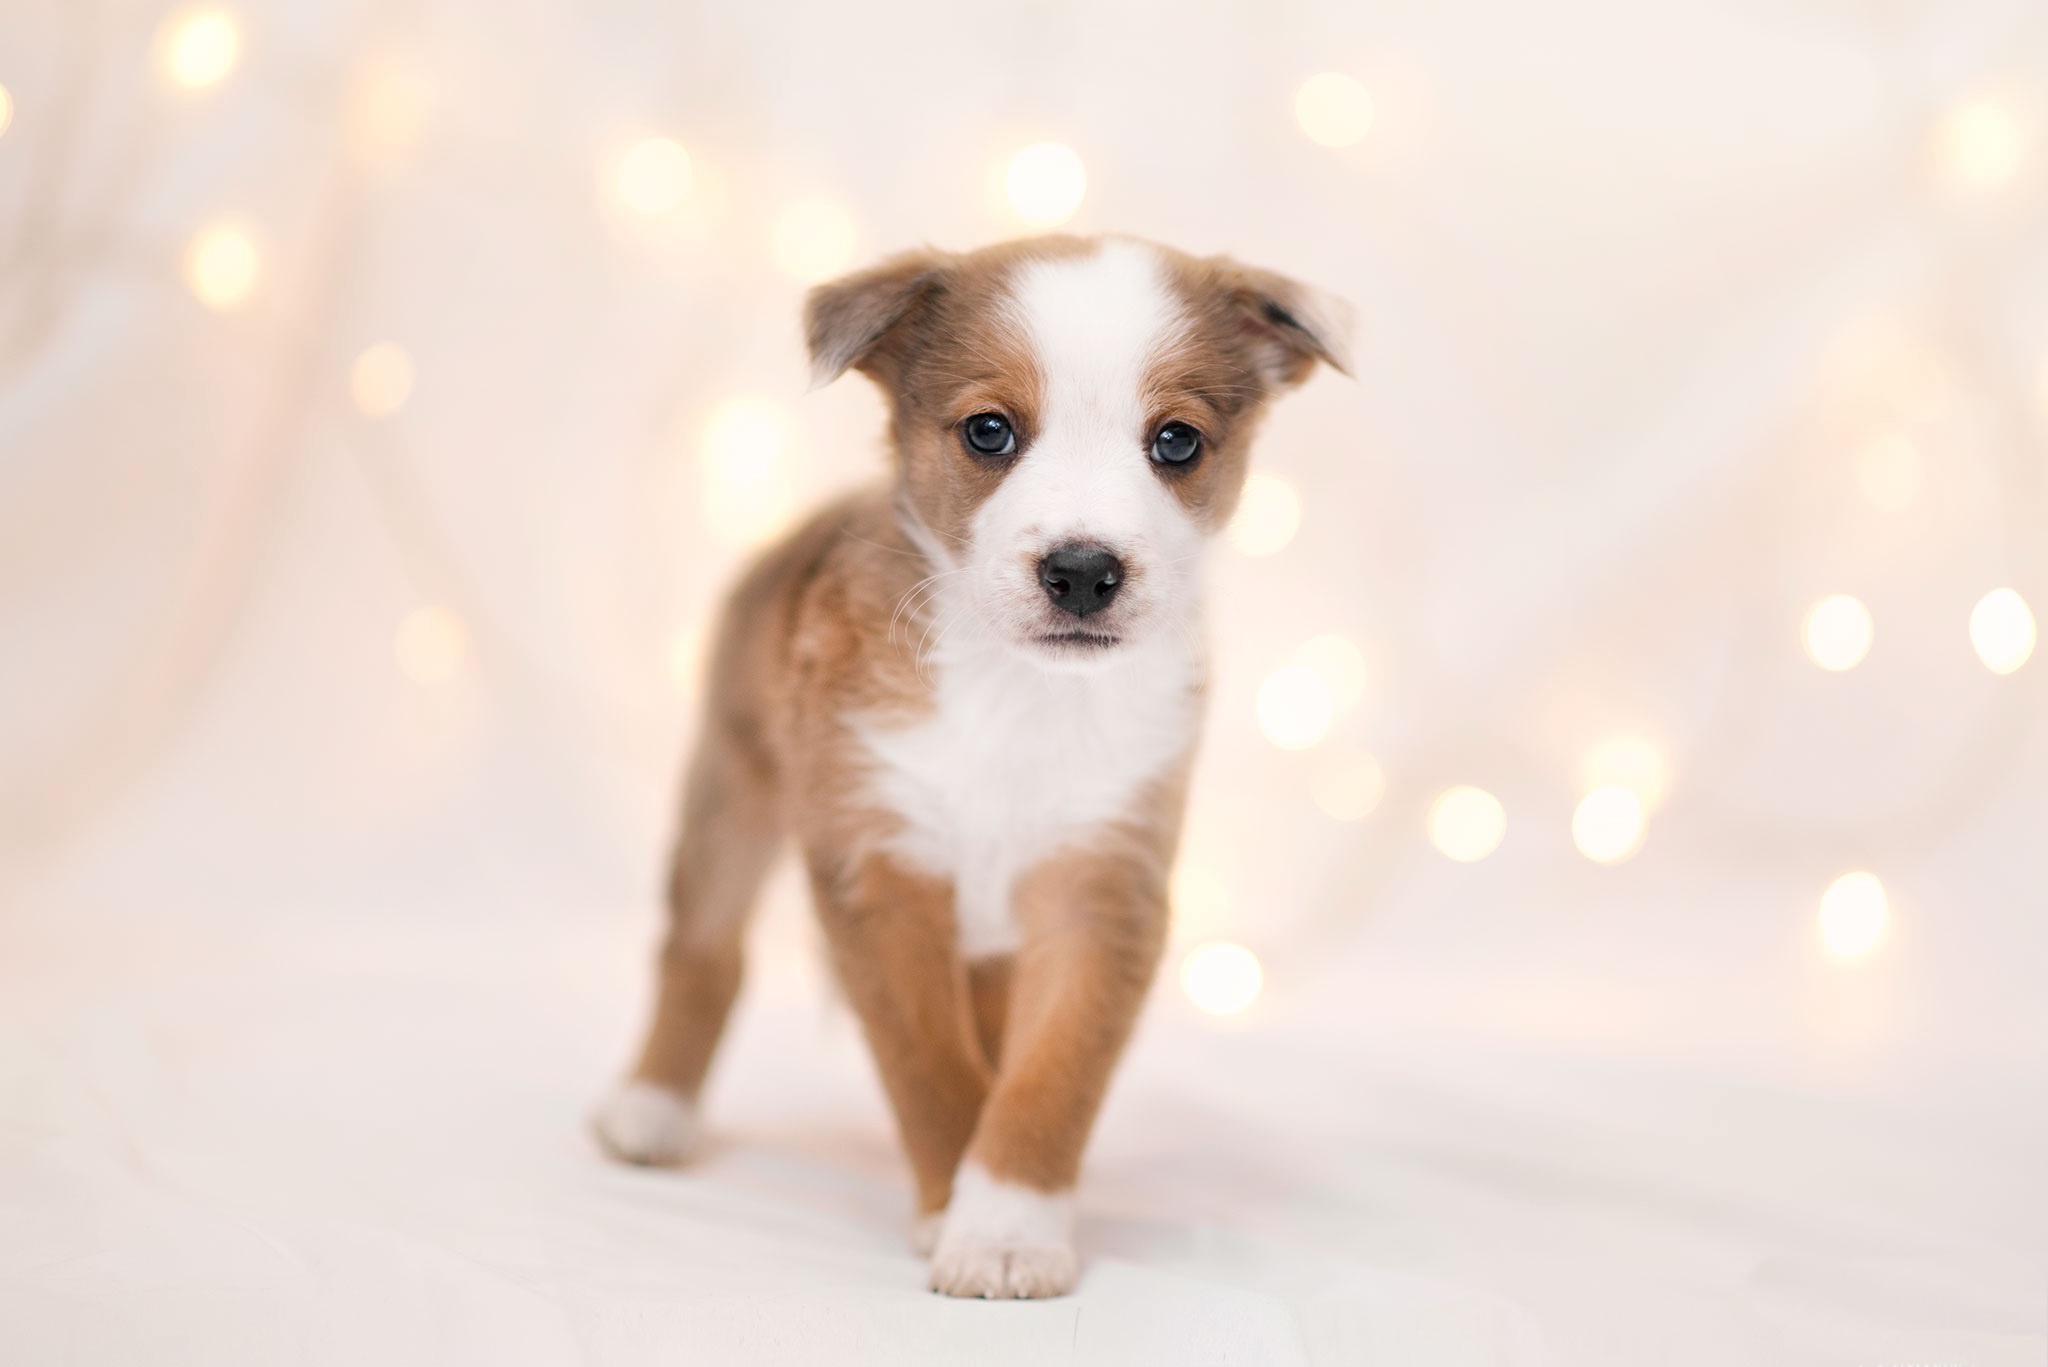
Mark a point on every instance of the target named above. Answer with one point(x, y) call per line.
point(1467, 824)
point(1852, 915)
point(1982, 144)
point(1267, 515)
point(1333, 109)
point(1045, 183)
point(221, 265)
point(1341, 663)
point(390, 104)
point(1347, 786)
point(6, 109)
point(1221, 978)
point(197, 48)
point(1607, 826)
point(1201, 902)
point(431, 645)
point(654, 175)
point(2002, 630)
point(1295, 707)
point(380, 381)
point(1630, 762)
point(813, 239)
point(1888, 471)
point(1838, 633)
point(748, 469)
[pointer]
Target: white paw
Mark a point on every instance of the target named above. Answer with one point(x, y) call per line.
point(1003, 1241)
point(643, 1123)
point(924, 1233)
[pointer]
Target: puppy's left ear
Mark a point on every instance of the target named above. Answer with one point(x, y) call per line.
point(1291, 325)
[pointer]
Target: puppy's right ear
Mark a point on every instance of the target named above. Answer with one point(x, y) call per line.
point(848, 322)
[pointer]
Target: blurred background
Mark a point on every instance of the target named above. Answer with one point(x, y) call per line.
point(1611, 923)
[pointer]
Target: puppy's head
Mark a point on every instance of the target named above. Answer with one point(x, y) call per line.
point(1071, 418)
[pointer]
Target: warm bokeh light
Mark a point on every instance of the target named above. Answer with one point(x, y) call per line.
point(1221, 978)
point(390, 105)
point(1607, 825)
point(1630, 762)
point(1341, 664)
point(1982, 144)
point(1888, 471)
point(221, 265)
point(1852, 915)
point(1838, 633)
point(380, 381)
point(749, 485)
point(6, 109)
point(2002, 630)
point(1200, 900)
point(197, 48)
point(1045, 183)
point(1333, 109)
point(1267, 515)
point(1467, 824)
point(1296, 707)
point(1348, 786)
point(431, 645)
point(814, 239)
point(654, 175)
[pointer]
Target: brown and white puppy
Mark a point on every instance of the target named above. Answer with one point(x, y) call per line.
point(970, 696)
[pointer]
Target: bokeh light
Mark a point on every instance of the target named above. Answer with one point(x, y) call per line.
point(197, 48)
point(685, 657)
point(1045, 183)
point(813, 239)
point(222, 265)
point(1295, 707)
point(1888, 471)
point(1268, 512)
point(2002, 630)
point(1221, 978)
point(431, 645)
point(1607, 825)
point(1347, 785)
point(1333, 109)
point(390, 106)
point(1632, 762)
point(654, 176)
point(380, 381)
point(1838, 633)
point(1852, 915)
point(1982, 144)
point(749, 485)
point(1200, 900)
point(1341, 664)
point(6, 109)
point(1467, 824)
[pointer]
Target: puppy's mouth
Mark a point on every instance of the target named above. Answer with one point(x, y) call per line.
point(1079, 642)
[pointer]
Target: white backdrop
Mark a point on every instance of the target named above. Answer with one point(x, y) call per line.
point(342, 698)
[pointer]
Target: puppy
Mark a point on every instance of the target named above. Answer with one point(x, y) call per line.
point(970, 696)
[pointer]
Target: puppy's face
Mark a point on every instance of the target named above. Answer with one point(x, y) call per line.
point(1071, 419)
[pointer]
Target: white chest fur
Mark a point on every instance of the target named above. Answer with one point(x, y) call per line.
point(1016, 761)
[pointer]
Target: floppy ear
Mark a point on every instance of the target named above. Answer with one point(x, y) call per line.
point(1292, 325)
point(848, 321)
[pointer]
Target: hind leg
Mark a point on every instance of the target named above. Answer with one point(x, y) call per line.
point(731, 831)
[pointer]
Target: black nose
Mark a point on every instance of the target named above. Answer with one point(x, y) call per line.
point(1080, 578)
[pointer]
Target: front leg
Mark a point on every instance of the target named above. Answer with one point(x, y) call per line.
point(1093, 925)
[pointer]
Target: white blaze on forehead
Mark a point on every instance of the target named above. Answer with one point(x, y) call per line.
point(1095, 323)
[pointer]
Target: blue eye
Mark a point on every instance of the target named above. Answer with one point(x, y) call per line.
point(1176, 444)
point(989, 434)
